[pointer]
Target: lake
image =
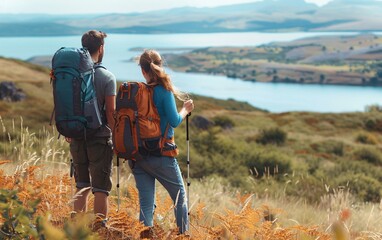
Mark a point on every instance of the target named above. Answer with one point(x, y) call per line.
point(275, 97)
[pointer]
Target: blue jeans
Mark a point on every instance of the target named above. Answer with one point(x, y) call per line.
point(166, 170)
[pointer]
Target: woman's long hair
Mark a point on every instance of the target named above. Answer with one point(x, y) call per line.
point(151, 62)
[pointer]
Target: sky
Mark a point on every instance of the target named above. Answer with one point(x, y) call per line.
point(111, 6)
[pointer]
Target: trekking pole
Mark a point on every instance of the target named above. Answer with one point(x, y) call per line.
point(188, 165)
point(71, 177)
point(118, 184)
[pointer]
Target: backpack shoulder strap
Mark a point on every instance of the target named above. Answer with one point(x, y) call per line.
point(99, 65)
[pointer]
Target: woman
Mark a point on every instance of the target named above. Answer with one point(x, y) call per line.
point(162, 168)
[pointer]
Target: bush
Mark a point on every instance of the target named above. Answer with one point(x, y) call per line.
point(272, 136)
point(351, 167)
point(373, 108)
point(263, 163)
point(330, 147)
point(373, 124)
point(366, 138)
point(224, 122)
point(370, 155)
point(365, 188)
point(307, 187)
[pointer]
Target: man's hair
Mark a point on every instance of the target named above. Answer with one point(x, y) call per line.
point(92, 40)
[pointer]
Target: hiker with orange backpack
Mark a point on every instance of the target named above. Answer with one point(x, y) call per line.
point(92, 152)
point(148, 163)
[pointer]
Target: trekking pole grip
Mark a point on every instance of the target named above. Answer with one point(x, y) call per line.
point(187, 116)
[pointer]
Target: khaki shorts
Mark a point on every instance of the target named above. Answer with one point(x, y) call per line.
point(92, 159)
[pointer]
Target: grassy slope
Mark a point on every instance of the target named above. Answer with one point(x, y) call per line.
point(34, 81)
point(308, 148)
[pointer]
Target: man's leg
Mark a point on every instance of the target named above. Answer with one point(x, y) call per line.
point(101, 205)
point(81, 200)
point(81, 174)
point(100, 165)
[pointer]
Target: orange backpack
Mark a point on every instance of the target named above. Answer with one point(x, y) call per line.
point(137, 124)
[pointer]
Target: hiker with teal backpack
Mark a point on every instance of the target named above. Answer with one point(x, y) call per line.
point(86, 124)
point(162, 167)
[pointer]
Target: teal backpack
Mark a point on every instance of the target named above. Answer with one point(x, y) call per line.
point(76, 108)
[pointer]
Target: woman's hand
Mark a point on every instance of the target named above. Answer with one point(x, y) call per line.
point(188, 106)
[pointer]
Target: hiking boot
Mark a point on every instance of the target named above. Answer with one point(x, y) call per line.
point(73, 214)
point(185, 235)
point(100, 223)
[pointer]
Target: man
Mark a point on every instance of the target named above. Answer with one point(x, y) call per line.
point(92, 157)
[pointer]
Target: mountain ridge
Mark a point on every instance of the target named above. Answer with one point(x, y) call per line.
point(268, 16)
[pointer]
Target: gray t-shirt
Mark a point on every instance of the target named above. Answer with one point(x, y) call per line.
point(105, 85)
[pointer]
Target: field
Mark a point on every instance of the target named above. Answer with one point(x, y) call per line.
point(254, 175)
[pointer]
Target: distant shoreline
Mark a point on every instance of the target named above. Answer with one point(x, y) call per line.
point(80, 32)
point(336, 60)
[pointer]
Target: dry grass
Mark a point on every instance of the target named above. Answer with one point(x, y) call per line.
point(221, 215)
point(244, 222)
point(43, 175)
point(225, 214)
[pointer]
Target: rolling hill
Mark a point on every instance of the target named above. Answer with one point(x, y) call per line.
point(266, 15)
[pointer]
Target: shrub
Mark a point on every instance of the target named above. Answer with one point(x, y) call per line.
point(330, 146)
point(366, 138)
point(370, 155)
point(224, 122)
point(373, 124)
point(251, 139)
point(306, 187)
point(351, 167)
point(272, 136)
point(264, 163)
point(373, 108)
point(365, 188)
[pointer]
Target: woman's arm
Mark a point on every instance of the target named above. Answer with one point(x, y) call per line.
point(174, 117)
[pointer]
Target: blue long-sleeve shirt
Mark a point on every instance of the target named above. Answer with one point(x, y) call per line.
point(165, 102)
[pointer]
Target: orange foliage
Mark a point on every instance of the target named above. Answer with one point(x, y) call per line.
point(247, 222)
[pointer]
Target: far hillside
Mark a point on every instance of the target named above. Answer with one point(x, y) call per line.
point(346, 60)
point(256, 16)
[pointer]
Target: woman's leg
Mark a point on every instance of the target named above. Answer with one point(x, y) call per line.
point(146, 188)
point(170, 177)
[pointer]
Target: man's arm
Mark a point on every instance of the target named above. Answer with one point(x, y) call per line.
point(110, 109)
